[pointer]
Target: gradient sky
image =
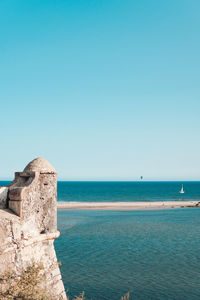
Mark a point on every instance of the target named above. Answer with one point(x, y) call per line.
point(105, 90)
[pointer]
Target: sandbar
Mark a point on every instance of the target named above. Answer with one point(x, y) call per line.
point(127, 205)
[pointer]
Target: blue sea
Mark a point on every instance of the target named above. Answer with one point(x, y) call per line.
point(127, 191)
point(153, 254)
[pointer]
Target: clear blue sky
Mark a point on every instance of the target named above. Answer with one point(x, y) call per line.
point(104, 89)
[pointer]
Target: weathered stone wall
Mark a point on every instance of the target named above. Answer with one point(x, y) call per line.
point(3, 197)
point(29, 226)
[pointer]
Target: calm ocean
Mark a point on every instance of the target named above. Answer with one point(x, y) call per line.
point(154, 254)
point(127, 191)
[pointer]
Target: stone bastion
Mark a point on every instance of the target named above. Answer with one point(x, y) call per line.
point(28, 224)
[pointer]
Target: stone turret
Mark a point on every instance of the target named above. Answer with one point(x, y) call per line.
point(28, 223)
point(33, 195)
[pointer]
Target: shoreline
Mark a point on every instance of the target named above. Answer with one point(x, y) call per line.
point(127, 205)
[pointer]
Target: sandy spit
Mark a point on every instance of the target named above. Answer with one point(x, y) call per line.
point(127, 205)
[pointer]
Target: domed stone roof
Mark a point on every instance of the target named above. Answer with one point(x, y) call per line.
point(40, 165)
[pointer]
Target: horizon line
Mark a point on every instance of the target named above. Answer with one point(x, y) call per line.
point(119, 180)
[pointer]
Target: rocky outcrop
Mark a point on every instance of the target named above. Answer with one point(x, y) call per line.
point(28, 224)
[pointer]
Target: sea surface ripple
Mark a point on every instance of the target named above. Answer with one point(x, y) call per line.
point(153, 254)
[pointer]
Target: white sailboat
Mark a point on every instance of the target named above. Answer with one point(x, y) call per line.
point(182, 190)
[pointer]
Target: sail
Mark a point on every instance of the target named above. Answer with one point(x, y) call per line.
point(182, 190)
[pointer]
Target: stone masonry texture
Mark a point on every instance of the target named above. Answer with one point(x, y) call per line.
point(28, 223)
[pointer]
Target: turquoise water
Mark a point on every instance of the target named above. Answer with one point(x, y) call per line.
point(127, 191)
point(153, 254)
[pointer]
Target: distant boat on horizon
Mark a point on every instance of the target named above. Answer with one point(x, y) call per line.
point(182, 190)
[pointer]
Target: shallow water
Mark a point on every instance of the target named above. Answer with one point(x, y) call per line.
point(153, 254)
